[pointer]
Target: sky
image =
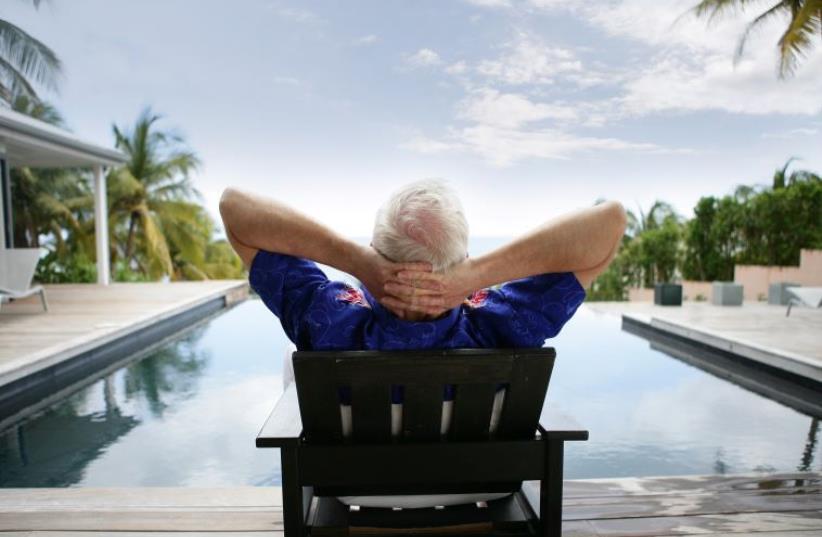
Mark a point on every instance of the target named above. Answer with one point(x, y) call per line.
point(529, 108)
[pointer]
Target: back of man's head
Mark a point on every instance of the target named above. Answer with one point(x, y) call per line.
point(423, 221)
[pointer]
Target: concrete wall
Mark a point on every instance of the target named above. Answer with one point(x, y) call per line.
point(690, 290)
point(754, 278)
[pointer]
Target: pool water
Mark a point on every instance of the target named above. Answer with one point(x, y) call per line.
point(188, 413)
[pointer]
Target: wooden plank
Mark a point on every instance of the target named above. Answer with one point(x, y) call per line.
point(145, 534)
point(428, 463)
point(421, 367)
point(556, 425)
point(126, 497)
point(422, 411)
point(799, 482)
point(283, 426)
point(317, 392)
point(371, 413)
point(525, 395)
point(472, 411)
point(733, 523)
point(178, 519)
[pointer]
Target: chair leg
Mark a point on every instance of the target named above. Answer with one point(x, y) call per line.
point(43, 300)
point(296, 498)
point(550, 490)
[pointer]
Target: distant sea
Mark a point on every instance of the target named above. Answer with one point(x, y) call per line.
point(476, 246)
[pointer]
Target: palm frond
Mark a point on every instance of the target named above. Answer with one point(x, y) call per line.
point(38, 109)
point(796, 42)
point(16, 82)
point(154, 242)
point(28, 55)
point(776, 9)
point(715, 8)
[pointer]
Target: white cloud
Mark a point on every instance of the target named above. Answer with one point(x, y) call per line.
point(457, 68)
point(369, 39)
point(424, 57)
point(689, 65)
point(677, 84)
point(504, 128)
point(800, 132)
point(530, 61)
point(503, 146)
point(288, 81)
point(298, 15)
point(490, 3)
point(510, 110)
point(429, 146)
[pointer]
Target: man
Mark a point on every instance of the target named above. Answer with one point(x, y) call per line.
point(420, 289)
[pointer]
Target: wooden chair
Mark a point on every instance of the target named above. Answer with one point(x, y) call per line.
point(319, 464)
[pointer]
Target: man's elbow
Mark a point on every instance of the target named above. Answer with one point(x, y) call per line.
point(229, 202)
point(617, 218)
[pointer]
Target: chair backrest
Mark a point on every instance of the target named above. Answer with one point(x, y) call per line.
point(474, 374)
point(810, 296)
point(17, 267)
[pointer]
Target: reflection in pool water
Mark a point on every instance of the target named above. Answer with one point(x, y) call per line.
point(188, 413)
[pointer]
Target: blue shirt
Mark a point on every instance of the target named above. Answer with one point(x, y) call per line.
point(320, 314)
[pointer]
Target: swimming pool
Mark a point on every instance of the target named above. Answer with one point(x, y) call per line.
point(188, 412)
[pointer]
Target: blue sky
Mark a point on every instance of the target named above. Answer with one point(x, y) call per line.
point(529, 107)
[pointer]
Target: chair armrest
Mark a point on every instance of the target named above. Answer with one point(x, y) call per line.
point(284, 427)
point(554, 425)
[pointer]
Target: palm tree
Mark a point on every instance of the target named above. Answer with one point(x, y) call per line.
point(23, 60)
point(781, 178)
point(795, 42)
point(156, 226)
point(657, 214)
point(52, 203)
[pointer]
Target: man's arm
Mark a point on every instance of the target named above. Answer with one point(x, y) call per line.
point(583, 242)
point(255, 223)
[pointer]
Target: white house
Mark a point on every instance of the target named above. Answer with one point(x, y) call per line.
point(25, 141)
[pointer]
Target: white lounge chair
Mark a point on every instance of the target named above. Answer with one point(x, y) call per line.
point(809, 296)
point(17, 267)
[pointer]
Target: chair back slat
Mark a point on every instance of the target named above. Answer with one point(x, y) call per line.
point(371, 412)
point(319, 399)
point(523, 406)
point(472, 411)
point(474, 374)
point(422, 411)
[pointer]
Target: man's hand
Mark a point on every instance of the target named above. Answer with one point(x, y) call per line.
point(428, 292)
point(377, 273)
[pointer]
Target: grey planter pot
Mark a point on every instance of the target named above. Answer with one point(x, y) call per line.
point(668, 294)
point(726, 294)
point(778, 293)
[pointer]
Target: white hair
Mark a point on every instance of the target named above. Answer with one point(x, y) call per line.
point(423, 221)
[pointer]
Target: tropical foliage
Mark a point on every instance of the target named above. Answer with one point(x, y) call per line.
point(24, 61)
point(754, 225)
point(803, 30)
point(157, 226)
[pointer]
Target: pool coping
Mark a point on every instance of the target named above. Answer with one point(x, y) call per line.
point(783, 360)
point(33, 378)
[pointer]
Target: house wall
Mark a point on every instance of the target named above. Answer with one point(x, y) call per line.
point(690, 290)
point(755, 279)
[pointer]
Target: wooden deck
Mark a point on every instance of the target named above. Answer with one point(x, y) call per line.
point(784, 505)
point(89, 328)
point(85, 316)
point(755, 331)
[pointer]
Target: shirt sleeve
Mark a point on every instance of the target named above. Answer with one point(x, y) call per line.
point(524, 313)
point(287, 285)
